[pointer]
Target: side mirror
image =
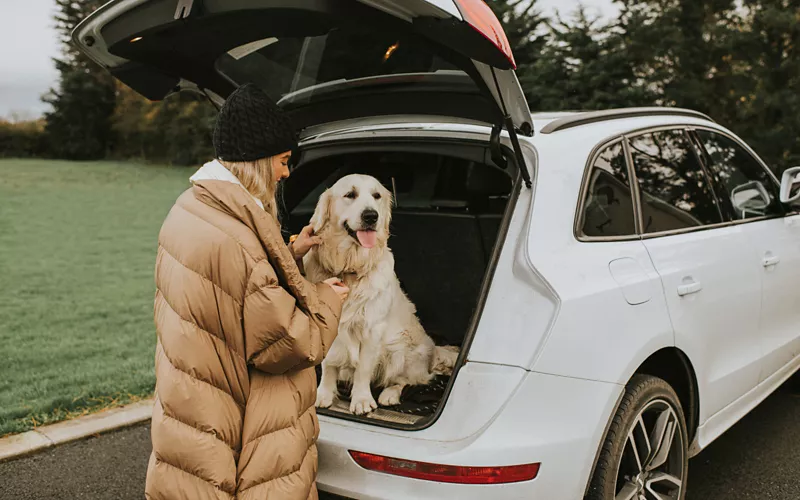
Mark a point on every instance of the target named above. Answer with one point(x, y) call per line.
point(750, 198)
point(790, 185)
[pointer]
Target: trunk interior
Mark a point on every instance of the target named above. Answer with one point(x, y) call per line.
point(450, 211)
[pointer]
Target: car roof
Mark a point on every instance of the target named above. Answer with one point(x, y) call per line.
point(591, 125)
point(551, 122)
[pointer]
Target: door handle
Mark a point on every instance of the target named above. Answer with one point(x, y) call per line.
point(770, 260)
point(689, 287)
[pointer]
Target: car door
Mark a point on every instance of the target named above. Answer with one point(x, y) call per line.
point(710, 274)
point(749, 194)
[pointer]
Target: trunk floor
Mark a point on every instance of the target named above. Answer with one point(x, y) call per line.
point(417, 402)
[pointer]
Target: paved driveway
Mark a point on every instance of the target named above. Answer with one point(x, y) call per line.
point(758, 459)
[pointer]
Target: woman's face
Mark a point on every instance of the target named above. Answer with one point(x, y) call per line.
point(280, 166)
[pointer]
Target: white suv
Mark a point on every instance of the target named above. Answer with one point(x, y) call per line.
point(623, 284)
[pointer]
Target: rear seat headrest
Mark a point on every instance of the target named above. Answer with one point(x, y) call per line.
point(487, 181)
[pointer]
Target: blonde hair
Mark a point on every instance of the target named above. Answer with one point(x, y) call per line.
point(258, 178)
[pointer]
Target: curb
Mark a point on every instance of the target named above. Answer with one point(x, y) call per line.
point(72, 430)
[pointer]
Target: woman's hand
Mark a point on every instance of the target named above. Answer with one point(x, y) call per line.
point(339, 287)
point(305, 241)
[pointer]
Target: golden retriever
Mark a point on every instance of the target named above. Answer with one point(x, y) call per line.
point(380, 337)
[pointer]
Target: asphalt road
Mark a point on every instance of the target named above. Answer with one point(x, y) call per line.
point(758, 459)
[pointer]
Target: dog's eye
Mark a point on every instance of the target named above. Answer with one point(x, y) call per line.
point(377, 196)
point(351, 195)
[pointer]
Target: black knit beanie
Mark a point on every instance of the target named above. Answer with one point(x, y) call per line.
point(250, 127)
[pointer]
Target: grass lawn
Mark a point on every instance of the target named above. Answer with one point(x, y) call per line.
point(77, 252)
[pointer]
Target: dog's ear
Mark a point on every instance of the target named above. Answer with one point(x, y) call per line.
point(388, 201)
point(322, 213)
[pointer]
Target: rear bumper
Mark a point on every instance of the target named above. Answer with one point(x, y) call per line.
point(556, 421)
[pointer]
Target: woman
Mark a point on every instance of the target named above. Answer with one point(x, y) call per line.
point(239, 328)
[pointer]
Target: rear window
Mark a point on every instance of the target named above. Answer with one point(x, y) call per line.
point(420, 181)
point(284, 66)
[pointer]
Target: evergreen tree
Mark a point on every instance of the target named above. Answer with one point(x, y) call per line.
point(79, 125)
point(685, 50)
point(737, 61)
point(525, 28)
point(585, 64)
point(769, 56)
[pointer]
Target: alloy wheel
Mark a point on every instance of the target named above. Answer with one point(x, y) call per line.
point(651, 464)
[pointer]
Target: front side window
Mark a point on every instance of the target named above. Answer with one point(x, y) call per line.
point(608, 207)
point(747, 190)
point(675, 193)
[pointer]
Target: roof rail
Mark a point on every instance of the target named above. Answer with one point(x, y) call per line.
point(587, 117)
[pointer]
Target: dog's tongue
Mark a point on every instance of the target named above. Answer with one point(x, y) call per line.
point(367, 238)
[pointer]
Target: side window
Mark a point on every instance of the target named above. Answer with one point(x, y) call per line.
point(674, 188)
point(608, 208)
point(747, 188)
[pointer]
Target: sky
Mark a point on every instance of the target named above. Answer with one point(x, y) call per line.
point(29, 43)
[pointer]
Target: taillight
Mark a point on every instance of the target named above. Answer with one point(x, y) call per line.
point(480, 16)
point(446, 473)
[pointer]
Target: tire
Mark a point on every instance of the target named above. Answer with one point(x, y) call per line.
point(649, 409)
point(794, 382)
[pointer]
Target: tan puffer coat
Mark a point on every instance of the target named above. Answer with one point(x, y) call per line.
point(239, 331)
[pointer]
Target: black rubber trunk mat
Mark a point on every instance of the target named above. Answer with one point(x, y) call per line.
point(417, 400)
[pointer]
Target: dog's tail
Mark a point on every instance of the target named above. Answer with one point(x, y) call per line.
point(444, 359)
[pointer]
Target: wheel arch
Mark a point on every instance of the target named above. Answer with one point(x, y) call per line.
point(673, 366)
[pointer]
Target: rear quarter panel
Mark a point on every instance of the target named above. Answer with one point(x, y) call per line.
point(554, 306)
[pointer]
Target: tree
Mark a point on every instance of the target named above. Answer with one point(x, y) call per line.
point(585, 64)
point(684, 49)
point(79, 125)
point(176, 130)
point(524, 26)
point(769, 49)
point(737, 61)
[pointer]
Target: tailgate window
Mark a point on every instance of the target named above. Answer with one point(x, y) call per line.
point(287, 66)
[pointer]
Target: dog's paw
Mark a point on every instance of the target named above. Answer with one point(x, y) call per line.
point(390, 396)
point(444, 360)
point(361, 405)
point(324, 398)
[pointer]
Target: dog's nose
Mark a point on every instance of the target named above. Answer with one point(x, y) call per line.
point(369, 217)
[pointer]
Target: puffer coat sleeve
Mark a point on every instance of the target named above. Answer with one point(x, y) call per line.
point(279, 335)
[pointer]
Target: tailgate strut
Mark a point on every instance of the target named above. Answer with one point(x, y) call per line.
point(526, 176)
point(512, 134)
